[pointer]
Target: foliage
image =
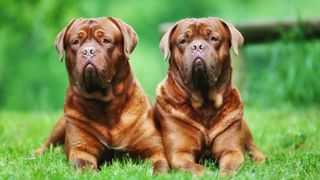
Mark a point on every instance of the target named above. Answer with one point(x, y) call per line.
point(284, 72)
point(32, 78)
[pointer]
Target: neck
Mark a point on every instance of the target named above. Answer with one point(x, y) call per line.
point(198, 96)
point(217, 93)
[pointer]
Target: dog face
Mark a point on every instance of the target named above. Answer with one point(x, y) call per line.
point(94, 49)
point(199, 48)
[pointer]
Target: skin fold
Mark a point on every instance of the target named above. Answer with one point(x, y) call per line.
point(105, 107)
point(198, 108)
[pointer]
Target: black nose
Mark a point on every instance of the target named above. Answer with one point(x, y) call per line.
point(89, 52)
point(197, 46)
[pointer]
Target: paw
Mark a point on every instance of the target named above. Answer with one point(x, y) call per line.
point(194, 168)
point(39, 150)
point(258, 157)
point(81, 164)
point(160, 166)
point(198, 170)
point(228, 169)
point(230, 162)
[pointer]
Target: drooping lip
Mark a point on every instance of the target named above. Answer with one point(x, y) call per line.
point(198, 64)
point(198, 60)
point(199, 73)
point(90, 76)
point(89, 69)
point(89, 64)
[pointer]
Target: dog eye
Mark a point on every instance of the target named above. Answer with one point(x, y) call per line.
point(183, 41)
point(75, 42)
point(214, 38)
point(106, 41)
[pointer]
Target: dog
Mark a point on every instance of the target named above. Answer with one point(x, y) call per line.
point(105, 107)
point(198, 108)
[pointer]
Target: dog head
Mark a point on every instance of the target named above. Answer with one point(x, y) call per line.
point(199, 48)
point(93, 49)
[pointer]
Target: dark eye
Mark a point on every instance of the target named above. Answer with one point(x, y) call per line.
point(76, 42)
point(183, 41)
point(106, 41)
point(214, 38)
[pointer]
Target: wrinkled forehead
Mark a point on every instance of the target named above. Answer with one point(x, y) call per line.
point(91, 25)
point(200, 26)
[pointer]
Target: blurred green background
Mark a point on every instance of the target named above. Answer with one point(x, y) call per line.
point(33, 78)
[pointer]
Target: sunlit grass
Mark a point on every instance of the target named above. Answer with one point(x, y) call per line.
point(288, 136)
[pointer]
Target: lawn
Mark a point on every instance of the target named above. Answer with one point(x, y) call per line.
point(289, 136)
point(270, 76)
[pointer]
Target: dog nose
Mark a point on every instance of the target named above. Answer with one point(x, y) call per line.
point(198, 46)
point(89, 51)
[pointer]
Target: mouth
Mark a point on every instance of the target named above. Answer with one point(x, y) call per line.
point(199, 66)
point(91, 79)
point(199, 73)
point(90, 71)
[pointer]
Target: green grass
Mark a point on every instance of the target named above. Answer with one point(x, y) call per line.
point(289, 137)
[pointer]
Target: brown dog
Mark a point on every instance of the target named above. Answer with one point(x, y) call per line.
point(197, 105)
point(105, 107)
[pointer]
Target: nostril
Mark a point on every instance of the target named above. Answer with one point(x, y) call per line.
point(197, 46)
point(92, 51)
point(89, 51)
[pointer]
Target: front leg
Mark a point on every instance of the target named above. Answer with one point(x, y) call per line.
point(146, 141)
point(185, 161)
point(255, 153)
point(182, 143)
point(57, 136)
point(228, 148)
point(82, 148)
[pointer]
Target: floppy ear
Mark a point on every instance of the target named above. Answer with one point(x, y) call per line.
point(130, 37)
point(165, 42)
point(59, 42)
point(235, 37)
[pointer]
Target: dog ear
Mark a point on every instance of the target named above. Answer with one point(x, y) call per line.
point(236, 38)
point(165, 42)
point(59, 42)
point(130, 37)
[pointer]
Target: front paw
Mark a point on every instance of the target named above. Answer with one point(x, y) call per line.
point(258, 157)
point(84, 165)
point(230, 162)
point(160, 166)
point(194, 168)
point(39, 150)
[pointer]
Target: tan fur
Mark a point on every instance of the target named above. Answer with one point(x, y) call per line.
point(107, 110)
point(197, 119)
point(196, 100)
point(216, 98)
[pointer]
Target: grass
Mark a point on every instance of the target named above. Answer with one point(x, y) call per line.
point(288, 136)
